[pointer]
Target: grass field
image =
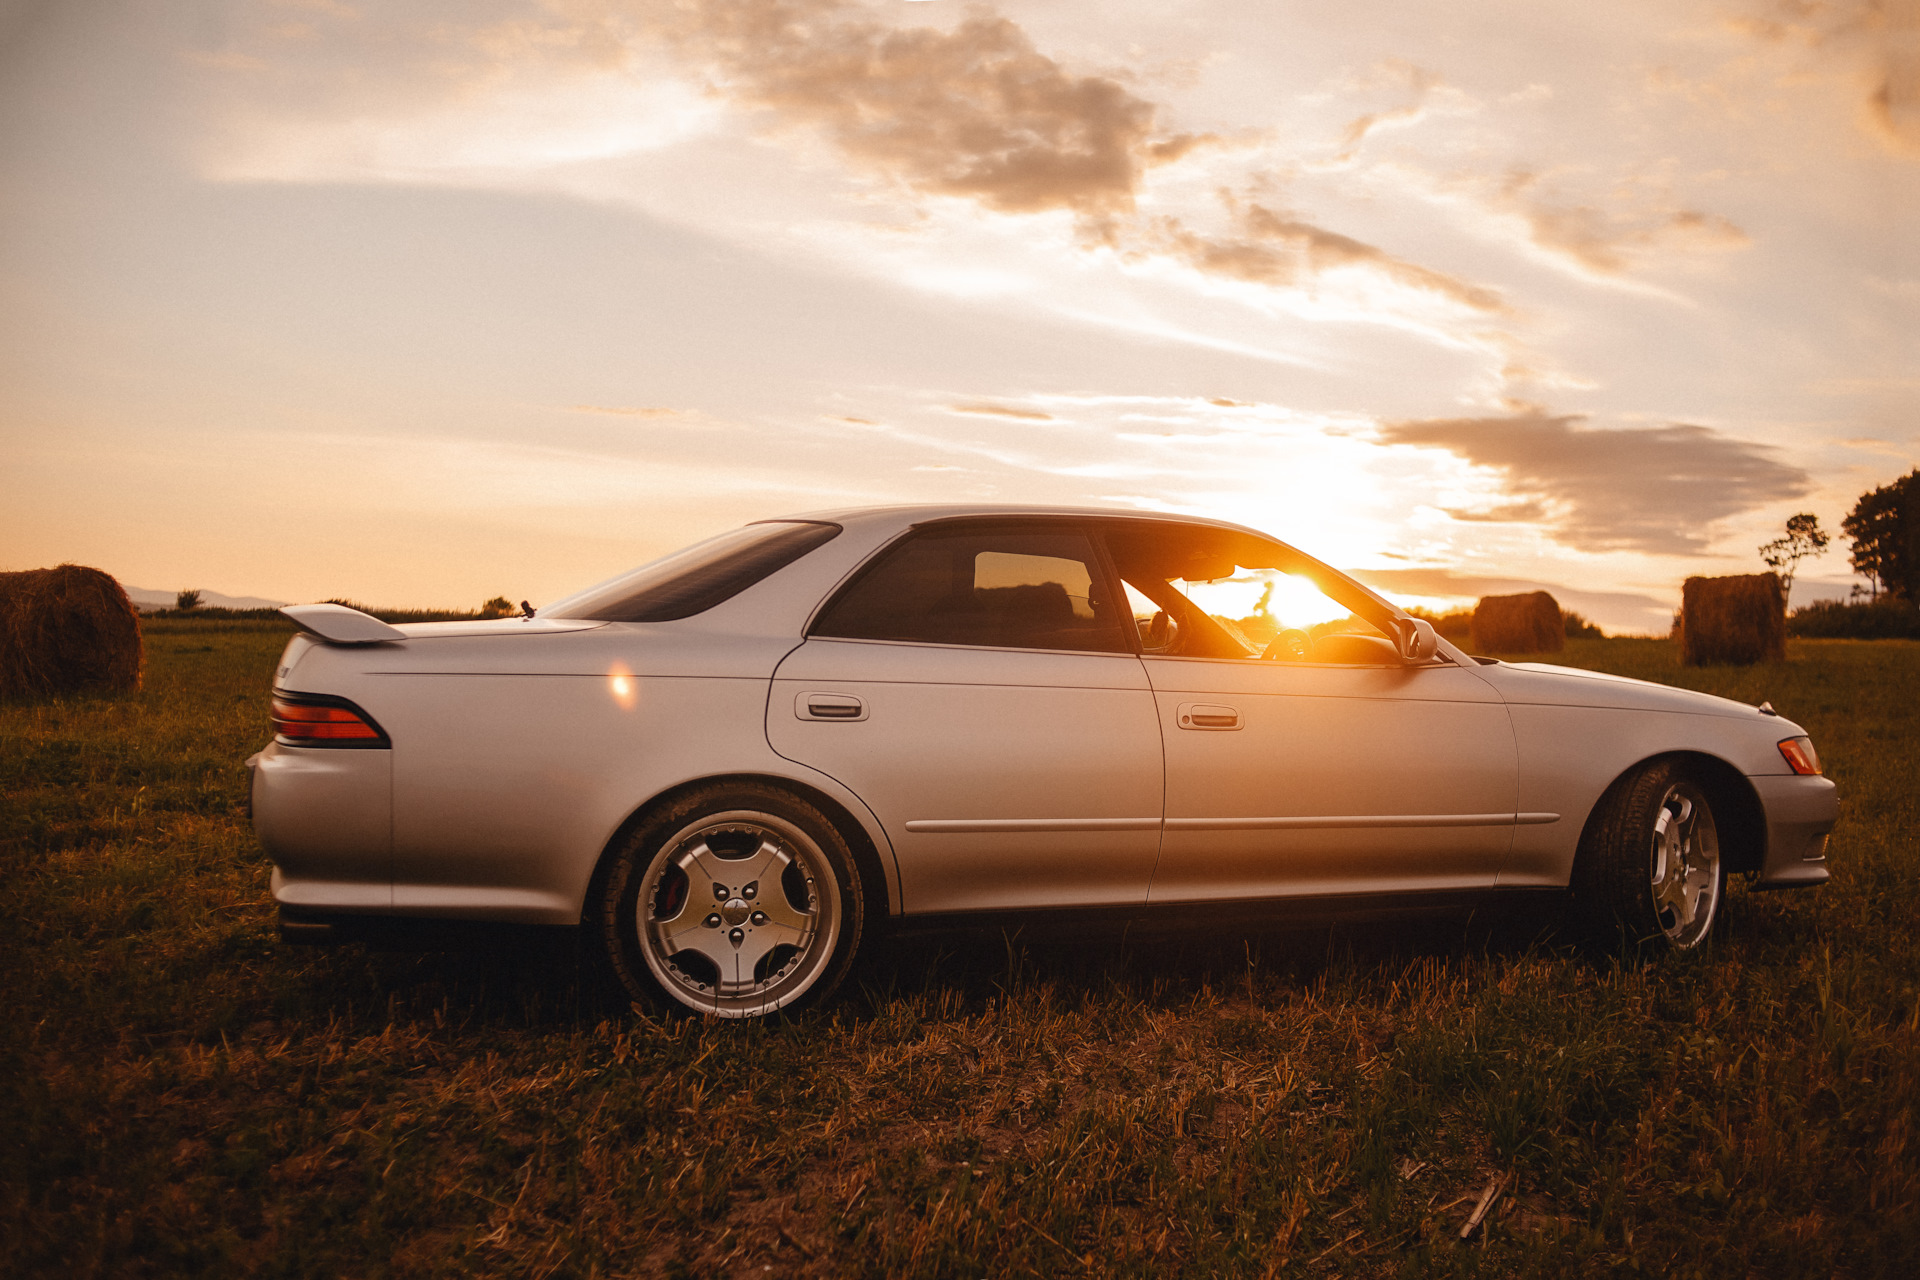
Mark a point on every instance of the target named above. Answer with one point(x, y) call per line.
point(183, 1094)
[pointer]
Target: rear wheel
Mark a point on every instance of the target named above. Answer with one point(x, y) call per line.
point(1649, 869)
point(736, 900)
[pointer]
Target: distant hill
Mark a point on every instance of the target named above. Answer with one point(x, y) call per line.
point(144, 599)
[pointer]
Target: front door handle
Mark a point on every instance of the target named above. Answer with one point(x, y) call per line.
point(1203, 715)
point(829, 706)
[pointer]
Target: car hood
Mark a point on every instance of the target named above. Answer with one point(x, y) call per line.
point(1543, 684)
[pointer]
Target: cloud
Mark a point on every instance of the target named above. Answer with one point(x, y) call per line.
point(975, 111)
point(622, 411)
point(1416, 81)
point(967, 110)
point(978, 112)
point(1002, 411)
point(1525, 512)
point(1358, 130)
point(1651, 489)
point(1874, 43)
point(1275, 249)
point(1609, 242)
point(1893, 101)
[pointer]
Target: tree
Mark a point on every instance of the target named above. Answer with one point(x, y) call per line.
point(1885, 528)
point(186, 600)
point(498, 607)
point(1804, 538)
point(1578, 628)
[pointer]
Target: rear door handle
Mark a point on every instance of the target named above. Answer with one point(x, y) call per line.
point(829, 706)
point(1203, 715)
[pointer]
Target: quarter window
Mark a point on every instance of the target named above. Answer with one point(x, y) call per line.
point(698, 578)
point(1009, 589)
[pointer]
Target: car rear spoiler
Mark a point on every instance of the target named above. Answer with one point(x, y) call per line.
point(337, 624)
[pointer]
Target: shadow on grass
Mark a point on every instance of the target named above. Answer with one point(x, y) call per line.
point(532, 978)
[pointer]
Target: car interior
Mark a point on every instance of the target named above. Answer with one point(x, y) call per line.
point(1151, 560)
point(1044, 588)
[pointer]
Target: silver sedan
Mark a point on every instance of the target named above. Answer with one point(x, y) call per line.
point(733, 764)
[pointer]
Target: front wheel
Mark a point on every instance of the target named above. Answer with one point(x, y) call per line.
point(1649, 868)
point(736, 900)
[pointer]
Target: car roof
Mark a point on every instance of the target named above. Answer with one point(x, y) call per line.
point(905, 514)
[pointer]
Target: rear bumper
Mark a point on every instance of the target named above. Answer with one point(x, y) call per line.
point(1800, 812)
point(325, 818)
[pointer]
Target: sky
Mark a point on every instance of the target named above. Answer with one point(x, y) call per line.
point(424, 303)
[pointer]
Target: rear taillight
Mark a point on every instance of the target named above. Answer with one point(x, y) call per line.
point(312, 721)
point(1800, 755)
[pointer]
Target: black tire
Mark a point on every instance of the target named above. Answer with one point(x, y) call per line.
point(735, 900)
point(1649, 871)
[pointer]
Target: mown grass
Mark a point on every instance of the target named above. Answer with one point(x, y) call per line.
point(186, 1095)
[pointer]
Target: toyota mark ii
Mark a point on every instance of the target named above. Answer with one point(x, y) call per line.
point(732, 765)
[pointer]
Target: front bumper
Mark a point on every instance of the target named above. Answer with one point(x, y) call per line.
point(1800, 812)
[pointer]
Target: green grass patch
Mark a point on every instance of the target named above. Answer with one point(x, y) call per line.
point(186, 1095)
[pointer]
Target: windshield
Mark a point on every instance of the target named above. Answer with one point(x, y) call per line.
point(698, 578)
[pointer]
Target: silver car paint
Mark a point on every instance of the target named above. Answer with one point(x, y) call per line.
point(1575, 727)
point(1003, 778)
point(518, 758)
point(1337, 779)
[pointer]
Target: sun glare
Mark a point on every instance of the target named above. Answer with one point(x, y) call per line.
point(622, 687)
point(1290, 600)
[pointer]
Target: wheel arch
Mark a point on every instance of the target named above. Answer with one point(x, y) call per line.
point(867, 858)
point(1739, 817)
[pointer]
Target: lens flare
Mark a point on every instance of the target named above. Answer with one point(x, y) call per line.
point(622, 686)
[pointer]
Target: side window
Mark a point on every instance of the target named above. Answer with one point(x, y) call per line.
point(1007, 589)
point(1195, 593)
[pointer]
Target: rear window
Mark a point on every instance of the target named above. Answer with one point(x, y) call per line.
point(698, 578)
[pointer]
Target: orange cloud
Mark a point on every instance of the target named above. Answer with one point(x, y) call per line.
point(976, 111)
point(1002, 411)
point(1606, 242)
point(1401, 75)
point(1893, 101)
point(1273, 249)
point(971, 110)
point(1652, 489)
point(1876, 44)
point(621, 411)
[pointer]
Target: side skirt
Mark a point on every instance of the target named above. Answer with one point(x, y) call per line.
point(1191, 918)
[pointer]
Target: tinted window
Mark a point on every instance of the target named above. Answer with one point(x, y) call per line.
point(1203, 593)
point(698, 578)
point(1007, 589)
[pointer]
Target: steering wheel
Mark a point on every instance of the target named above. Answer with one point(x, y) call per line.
point(1289, 646)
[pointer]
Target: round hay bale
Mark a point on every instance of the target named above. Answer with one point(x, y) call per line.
point(1736, 621)
point(67, 630)
point(1528, 623)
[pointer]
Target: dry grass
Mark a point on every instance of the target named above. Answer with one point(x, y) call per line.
point(66, 630)
point(1735, 621)
point(1529, 623)
point(190, 1097)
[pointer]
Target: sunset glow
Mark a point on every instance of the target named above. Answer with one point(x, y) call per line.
point(1464, 299)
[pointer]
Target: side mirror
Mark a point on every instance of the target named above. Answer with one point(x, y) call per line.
point(1416, 639)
